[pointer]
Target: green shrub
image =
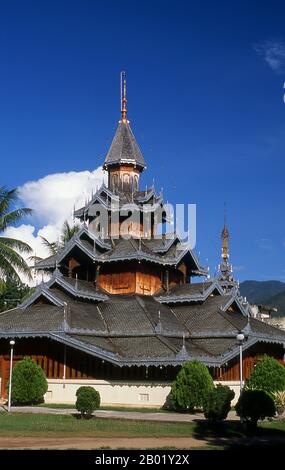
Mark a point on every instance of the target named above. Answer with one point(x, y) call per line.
point(88, 400)
point(217, 404)
point(191, 386)
point(279, 400)
point(29, 383)
point(254, 405)
point(268, 375)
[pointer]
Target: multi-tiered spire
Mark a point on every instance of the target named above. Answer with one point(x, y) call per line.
point(124, 161)
point(225, 267)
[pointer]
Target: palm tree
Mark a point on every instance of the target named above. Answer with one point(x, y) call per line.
point(11, 261)
point(67, 232)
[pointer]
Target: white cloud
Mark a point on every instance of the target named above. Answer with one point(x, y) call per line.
point(52, 199)
point(273, 53)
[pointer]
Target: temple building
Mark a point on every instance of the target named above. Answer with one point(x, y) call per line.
point(124, 308)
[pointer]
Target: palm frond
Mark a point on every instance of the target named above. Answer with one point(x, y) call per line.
point(12, 218)
point(16, 244)
point(68, 232)
point(8, 255)
point(51, 246)
point(7, 199)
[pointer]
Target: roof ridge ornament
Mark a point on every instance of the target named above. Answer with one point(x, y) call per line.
point(183, 353)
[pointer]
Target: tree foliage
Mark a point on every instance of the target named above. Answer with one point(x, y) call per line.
point(191, 386)
point(217, 403)
point(12, 293)
point(254, 405)
point(29, 383)
point(67, 232)
point(12, 262)
point(88, 400)
point(268, 375)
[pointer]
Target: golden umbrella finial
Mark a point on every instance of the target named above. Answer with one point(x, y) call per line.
point(225, 240)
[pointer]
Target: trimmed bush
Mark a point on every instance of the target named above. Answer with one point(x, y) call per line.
point(29, 383)
point(268, 375)
point(254, 405)
point(218, 403)
point(88, 400)
point(191, 386)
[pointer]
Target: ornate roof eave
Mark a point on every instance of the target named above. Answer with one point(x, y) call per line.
point(48, 263)
point(175, 360)
point(235, 299)
point(59, 279)
point(96, 197)
point(126, 161)
point(165, 299)
point(41, 291)
point(74, 241)
point(105, 258)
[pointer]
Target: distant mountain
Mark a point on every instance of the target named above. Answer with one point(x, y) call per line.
point(266, 293)
point(278, 301)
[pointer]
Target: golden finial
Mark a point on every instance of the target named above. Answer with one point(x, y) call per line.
point(123, 97)
point(225, 240)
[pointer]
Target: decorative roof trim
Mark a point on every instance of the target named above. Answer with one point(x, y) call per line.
point(165, 299)
point(59, 279)
point(41, 291)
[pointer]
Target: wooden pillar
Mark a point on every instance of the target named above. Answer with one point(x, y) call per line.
point(167, 280)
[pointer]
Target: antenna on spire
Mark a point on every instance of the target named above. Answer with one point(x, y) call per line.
point(123, 86)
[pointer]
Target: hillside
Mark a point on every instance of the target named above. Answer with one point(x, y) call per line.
point(260, 291)
point(266, 293)
point(278, 301)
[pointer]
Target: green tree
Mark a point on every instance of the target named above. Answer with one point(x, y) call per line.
point(217, 404)
point(267, 375)
point(67, 232)
point(11, 250)
point(88, 400)
point(29, 383)
point(12, 293)
point(191, 386)
point(254, 405)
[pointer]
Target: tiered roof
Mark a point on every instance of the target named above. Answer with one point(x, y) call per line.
point(199, 320)
point(137, 329)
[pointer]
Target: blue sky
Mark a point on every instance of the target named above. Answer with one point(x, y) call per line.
point(205, 100)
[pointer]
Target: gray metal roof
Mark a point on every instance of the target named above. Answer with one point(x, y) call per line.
point(124, 148)
point(134, 329)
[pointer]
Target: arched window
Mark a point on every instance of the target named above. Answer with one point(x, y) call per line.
point(114, 180)
point(136, 183)
point(126, 180)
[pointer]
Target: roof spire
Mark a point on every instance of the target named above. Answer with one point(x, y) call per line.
point(123, 83)
point(225, 238)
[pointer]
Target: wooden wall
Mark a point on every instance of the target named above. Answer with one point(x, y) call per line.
point(130, 278)
point(50, 356)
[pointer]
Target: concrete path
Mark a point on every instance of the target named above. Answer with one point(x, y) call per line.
point(135, 415)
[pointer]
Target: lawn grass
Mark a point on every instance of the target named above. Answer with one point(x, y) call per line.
point(223, 436)
point(65, 406)
point(274, 424)
point(28, 424)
